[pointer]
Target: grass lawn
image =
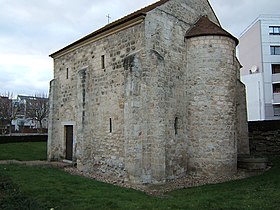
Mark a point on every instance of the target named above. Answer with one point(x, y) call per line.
point(23, 151)
point(52, 188)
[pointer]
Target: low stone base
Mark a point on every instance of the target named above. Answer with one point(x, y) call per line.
point(252, 163)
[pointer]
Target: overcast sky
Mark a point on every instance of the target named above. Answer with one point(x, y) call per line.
point(30, 30)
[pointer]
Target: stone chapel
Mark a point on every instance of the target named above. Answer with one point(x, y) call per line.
point(150, 97)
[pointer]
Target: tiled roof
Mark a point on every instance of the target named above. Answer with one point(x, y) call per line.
point(129, 17)
point(205, 27)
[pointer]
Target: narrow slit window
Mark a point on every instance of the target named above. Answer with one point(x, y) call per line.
point(176, 125)
point(110, 125)
point(67, 73)
point(103, 61)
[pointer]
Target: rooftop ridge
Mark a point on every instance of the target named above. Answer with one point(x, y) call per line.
point(131, 16)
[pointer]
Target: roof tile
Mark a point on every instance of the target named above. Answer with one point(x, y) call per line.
point(205, 27)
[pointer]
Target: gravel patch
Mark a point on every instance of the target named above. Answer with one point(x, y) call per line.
point(188, 181)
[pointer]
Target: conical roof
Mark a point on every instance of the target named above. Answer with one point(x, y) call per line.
point(205, 27)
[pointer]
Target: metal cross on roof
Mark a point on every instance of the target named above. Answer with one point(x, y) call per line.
point(108, 16)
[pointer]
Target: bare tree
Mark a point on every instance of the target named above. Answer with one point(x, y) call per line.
point(37, 108)
point(8, 109)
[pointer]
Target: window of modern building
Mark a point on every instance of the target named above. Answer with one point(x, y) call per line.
point(276, 88)
point(274, 30)
point(276, 110)
point(275, 68)
point(275, 50)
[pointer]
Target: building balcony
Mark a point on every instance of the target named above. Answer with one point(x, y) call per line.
point(276, 98)
point(275, 78)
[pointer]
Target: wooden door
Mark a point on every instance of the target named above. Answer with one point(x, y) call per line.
point(69, 141)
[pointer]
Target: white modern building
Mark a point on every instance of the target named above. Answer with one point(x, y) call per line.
point(259, 54)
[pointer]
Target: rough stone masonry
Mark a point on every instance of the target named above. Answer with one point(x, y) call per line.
point(150, 97)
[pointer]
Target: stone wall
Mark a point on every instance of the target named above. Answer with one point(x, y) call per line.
point(89, 94)
point(5, 139)
point(241, 122)
point(264, 137)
